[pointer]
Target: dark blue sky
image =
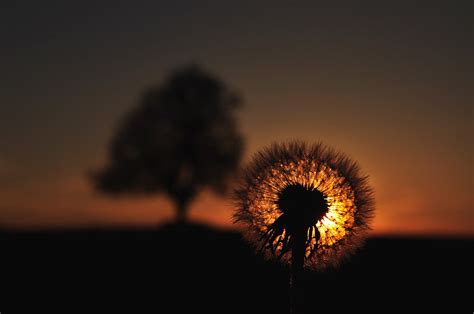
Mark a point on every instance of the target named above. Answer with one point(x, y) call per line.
point(388, 82)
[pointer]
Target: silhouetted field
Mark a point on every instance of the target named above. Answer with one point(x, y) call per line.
point(194, 269)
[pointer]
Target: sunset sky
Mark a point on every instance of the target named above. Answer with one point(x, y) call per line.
point(388, 82)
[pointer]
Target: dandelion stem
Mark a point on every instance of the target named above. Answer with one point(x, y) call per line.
point(296, 272)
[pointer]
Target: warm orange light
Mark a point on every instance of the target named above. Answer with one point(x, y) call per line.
point(332, 227)
point(331, 235)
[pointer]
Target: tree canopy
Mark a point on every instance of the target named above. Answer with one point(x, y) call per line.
point(182, 137)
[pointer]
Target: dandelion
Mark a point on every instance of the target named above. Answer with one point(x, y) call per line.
point(306, 205)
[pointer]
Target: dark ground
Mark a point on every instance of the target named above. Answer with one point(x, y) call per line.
point(195, 269)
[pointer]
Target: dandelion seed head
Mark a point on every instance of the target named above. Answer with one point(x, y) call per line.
point(310, 185)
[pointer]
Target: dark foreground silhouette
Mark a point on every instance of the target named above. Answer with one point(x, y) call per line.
point(194, 269)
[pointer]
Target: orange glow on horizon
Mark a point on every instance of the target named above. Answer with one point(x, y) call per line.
point(72, 203)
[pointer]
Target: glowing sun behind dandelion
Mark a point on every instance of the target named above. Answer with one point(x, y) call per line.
point(308, 199)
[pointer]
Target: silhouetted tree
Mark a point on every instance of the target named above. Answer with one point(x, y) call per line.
point(182, 137)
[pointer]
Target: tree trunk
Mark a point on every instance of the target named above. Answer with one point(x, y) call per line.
point(182, 209)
